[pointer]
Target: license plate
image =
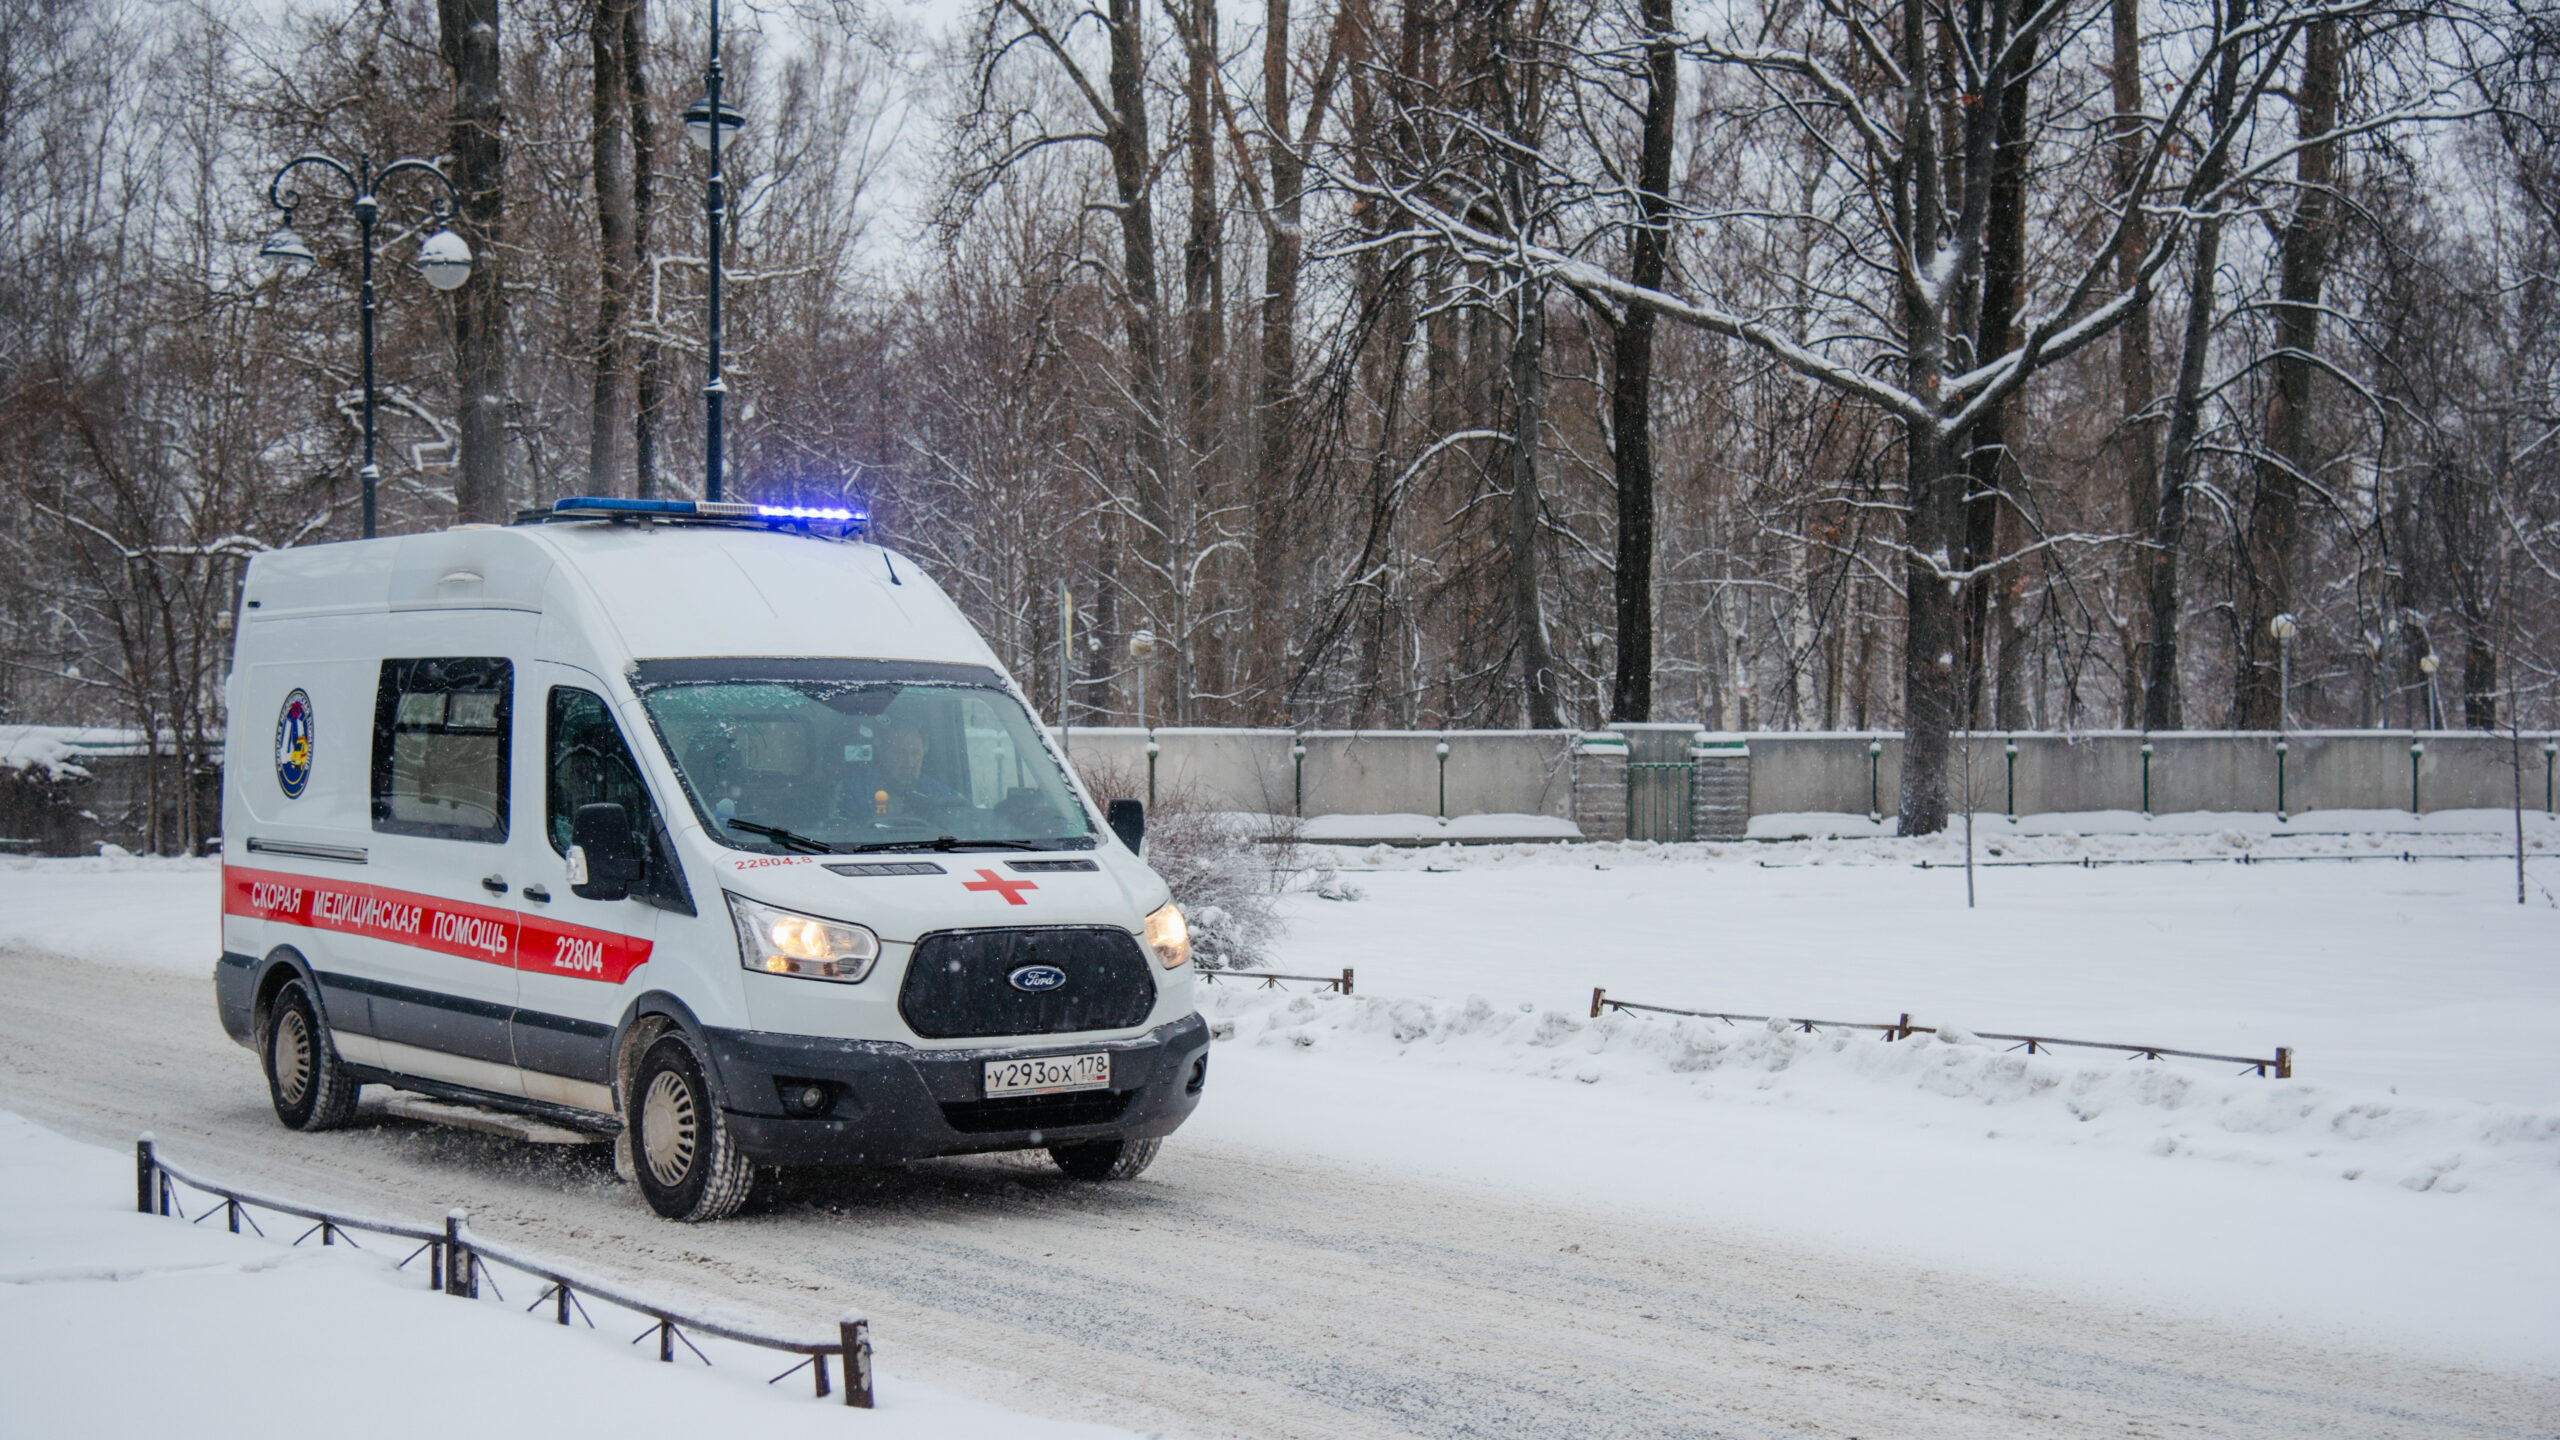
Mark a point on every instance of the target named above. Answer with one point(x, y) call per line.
point(1049, 1075)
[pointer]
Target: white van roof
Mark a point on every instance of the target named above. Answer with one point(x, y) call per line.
point(641, 591)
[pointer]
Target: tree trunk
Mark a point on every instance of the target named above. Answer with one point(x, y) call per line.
point(1987, 460)
point(468, 38)
point(1932, 487)
point(2162, 703)
point(1631, 379)
point(2479, 680)
point(648, 387)
point(1276, 366)
point(2137, 443)
point(1142, 318)
point(1528, 390)
point(1203, 300)
point(2274, 538)
point(616, 261)
point(2010, 709)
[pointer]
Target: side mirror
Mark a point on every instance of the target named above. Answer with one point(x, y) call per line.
point(1129, 822)
point(604, 863)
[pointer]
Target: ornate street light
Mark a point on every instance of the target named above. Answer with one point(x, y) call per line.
point(712, 124)
point(444, 258)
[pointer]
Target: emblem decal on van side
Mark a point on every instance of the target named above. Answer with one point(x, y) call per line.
point(294, 738)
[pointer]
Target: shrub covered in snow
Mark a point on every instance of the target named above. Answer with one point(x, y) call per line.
point(1227, 868)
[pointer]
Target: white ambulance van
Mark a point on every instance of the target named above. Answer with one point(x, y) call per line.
point(713, 827)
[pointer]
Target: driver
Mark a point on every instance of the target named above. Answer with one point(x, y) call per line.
point(904, 787)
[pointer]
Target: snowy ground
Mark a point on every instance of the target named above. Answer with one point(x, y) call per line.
point(119, 1324)
point(2396, 1199)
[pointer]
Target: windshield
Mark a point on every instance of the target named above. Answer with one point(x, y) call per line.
point(816, 766)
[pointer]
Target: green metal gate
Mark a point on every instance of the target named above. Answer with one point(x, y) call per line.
point(1659, 774)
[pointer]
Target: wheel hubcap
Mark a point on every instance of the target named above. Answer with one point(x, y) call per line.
point(667, 1126)
point(293, 1057)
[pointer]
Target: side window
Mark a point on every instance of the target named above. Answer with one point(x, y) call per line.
point(589, 765)
point(440, 761)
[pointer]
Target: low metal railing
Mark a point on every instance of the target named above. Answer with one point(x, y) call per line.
point(2092, 862)
point(458, 1261)
point(1271, 981)
point(2280, 1065)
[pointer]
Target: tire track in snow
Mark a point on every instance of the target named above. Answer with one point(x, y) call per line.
point(1239, 1292)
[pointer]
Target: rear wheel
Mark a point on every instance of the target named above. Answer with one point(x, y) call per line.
point(308, 1083)
point(1105, 1159)
point(681, 1151)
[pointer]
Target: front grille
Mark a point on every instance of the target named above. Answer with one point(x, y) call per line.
point(1036, 1112)
point(958, 984)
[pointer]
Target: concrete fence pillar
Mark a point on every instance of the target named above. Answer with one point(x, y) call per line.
point(1720, 791)
point(1600, 786)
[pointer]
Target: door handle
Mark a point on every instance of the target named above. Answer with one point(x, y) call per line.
point(494, 884)
point(537, 894)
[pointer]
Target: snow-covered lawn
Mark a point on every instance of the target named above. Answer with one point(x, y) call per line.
point(119, 1324)
point(2402, 1191)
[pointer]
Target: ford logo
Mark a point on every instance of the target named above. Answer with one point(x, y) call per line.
point(1036, 978)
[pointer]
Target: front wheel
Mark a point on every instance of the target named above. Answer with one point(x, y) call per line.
point(681, 1151)
point(305, 1078)
point(1105, 1159)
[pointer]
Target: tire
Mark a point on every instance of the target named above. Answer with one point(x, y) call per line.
point(1105, 1159)
point(305, 1078)
point(681, 1152)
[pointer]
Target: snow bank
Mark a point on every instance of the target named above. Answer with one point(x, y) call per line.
point(118, 1324)
point(2185, 1110)
point(154, 912)
point(1408, 830)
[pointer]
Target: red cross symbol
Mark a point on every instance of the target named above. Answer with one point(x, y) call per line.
point(1010, 889)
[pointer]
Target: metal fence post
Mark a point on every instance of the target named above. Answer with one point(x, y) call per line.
point(1298, 777)
point(2550, 750)
point(146, 1174)
point(1442, 751)
point(1875, 763)
point(2146, 779)
point(856, 1336)
point(2011, 748)
point(2281, 748)
point(1151, 771)
point(2417, 750)
point(461, 1270)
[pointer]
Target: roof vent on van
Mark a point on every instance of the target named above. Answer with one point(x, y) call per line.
point(837, 519)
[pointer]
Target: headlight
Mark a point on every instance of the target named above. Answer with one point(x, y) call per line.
point(786, 942)
point(1169, 936)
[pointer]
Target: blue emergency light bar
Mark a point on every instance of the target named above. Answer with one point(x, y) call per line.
point(795, 517)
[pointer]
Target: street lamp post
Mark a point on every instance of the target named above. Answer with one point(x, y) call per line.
point(2284, 629)
point(444, 258)
point(1142, 648)
point(712, 125)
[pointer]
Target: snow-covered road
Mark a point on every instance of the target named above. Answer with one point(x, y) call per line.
point(1250, 1287)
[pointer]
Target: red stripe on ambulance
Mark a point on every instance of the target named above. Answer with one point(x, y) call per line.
point(447, 927)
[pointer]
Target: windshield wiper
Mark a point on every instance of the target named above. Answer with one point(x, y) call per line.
point(943, 843)
point(792, 838)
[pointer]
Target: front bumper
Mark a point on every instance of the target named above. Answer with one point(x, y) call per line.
point(889, 1102)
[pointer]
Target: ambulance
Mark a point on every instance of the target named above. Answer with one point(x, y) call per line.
point(712, 827)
